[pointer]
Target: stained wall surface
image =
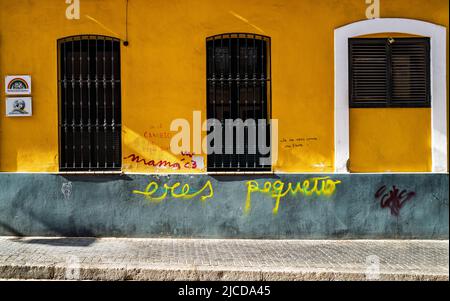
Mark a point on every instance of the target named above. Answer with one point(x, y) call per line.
point(379, 206)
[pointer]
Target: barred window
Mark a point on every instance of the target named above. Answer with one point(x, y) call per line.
point(238, 87)
point(89, 103)
point(389, 72)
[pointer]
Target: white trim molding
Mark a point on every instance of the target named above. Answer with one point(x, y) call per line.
point(438, 65)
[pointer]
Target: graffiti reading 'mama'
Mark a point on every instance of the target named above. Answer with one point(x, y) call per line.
point(165, 164)
point(278, 189)
point(173, 191)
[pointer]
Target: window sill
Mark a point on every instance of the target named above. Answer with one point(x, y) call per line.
point(239, 173)
point(118, 172)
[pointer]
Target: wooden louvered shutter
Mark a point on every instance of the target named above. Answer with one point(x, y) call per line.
point(410, 72)
point(389, 73)
point(368, 73)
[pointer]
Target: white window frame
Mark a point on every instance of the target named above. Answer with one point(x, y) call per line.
point(438, 65)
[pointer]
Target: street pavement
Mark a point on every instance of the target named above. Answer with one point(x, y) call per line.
point(222, 259)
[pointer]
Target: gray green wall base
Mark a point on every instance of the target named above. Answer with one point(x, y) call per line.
point(346, 206)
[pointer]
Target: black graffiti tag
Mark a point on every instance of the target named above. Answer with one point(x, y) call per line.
point(394, 199)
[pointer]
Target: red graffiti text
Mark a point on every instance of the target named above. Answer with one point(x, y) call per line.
point(162, 163)
point(394, 199)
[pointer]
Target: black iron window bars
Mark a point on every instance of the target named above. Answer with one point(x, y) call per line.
point(89, 103)
point(391, 72)
point(238, 87)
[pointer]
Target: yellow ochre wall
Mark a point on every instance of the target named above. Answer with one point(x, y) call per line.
point(390, 139)
point(164, 77)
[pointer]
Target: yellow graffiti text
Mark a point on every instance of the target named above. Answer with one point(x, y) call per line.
point(278, 189)
point(174, 191)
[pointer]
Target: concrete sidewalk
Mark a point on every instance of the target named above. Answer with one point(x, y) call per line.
point(202, 259)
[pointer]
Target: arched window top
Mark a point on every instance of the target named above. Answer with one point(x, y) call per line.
point(394, 25)
point(438, 53)
point(238, 35)
point(238, 56)
point(87, 37)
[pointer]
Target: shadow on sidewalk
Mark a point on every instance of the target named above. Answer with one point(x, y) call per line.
point(59, 242)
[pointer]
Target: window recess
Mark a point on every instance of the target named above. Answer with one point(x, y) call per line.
point(89, 103)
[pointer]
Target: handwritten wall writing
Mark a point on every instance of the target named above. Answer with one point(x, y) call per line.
point(158, 134)
point(149, 162)
point(393, 199)
point(188, 162)
point(154, 194)
point(316, 186)
point(298, 142)
point(158, 138)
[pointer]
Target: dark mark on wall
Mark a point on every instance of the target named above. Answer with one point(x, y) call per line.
point(394, 199)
